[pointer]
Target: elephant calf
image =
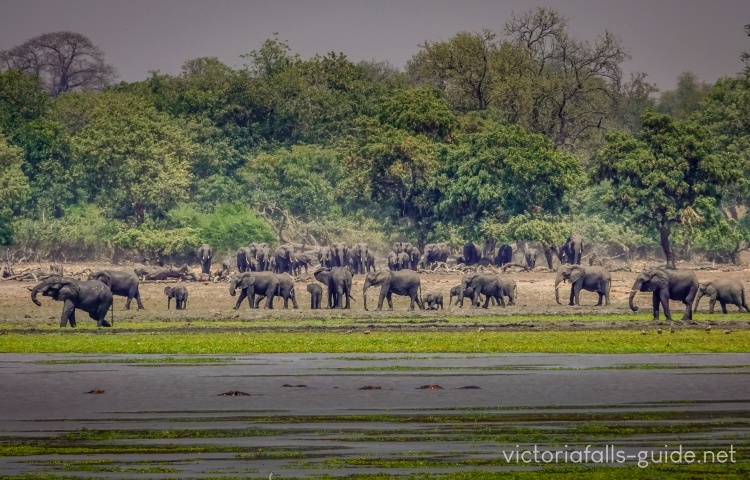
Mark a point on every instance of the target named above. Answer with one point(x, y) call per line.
point(433, 301)
point(180, 295)
point(725, 291)
point(316, 295)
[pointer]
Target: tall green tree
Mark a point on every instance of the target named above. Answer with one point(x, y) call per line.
point(130, 159)
point(13, 186)
point(501, 172)
point(666, 175)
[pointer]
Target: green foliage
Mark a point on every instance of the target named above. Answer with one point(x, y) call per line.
point(684, 100)
point(130, 159)
point(83, 233)
point(155, 244)
point(225, 229)
point(668, 174)
point(13, 187)
point(422, 111)
point(501, 172)
point(394, 168)
point(301, 181)
point(530, 229)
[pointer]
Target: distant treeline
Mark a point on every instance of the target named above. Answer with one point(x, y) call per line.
point(524, 133)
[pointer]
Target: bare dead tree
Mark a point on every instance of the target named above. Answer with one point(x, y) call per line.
point(64, 61)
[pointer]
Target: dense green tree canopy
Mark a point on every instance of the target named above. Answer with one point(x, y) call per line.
point(668, 174)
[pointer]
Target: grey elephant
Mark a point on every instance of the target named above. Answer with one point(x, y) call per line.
point(471, 254)
point(264, 257)
point(285, 258)
point(180, 295)
point(404, 282)
point(411, 251)
point(725, 291)
point(360, 255)
point(433, 301)
point(489, 285)
point(205, 253)
point(124, 284)
point(592, 279)
point(399, 261)
point(245, 258)
point(530, 255)
point(456, 292)
point(325, 257)
point(252, 283)
point(435, 253)
point(338, 280)
point(572, 250)
point(285, 290)
point(340, 254)
point(301, 260)
point(666, 285)
point(504, 255)
point(91, 296)
point(316, 295)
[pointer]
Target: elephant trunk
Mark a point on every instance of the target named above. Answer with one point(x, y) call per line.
point(232, 288)
point(697, 300)
point(558, 281)
point(630, 299)
point(34, 291)
point(364, 293)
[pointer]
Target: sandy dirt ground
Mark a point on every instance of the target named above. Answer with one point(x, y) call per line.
point(536, 297)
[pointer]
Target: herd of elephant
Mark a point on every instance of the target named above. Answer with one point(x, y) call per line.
point(94, 295)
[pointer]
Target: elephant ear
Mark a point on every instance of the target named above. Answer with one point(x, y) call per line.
point(104, 278)
point(246, 281)
point(576, 274)
point(383, 276)
point(658, 278)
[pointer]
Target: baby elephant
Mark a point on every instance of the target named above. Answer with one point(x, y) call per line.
point(180, 295)
point(316, 294)
point(725, 291)
point(433, 301)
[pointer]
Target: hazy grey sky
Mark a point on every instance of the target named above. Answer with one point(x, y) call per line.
point(664, 37)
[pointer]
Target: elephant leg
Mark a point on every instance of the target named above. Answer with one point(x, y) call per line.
point(723, 307)
point(269, 298)
point(68, 314)
point(656, 301)
point(487, 301)
point(573, 295)
point(711, 304)
point(241, 299)
point(665, 305)
point(340, 296)
point(137, 296)
point(601, 298)
point(294, 300)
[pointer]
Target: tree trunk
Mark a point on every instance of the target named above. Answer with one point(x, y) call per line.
point(666, 246)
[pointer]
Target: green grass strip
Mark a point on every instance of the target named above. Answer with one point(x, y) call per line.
point(610, 341)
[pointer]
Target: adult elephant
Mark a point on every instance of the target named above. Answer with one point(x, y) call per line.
point(339, 283)
point(252, 283)
point(725, 291)
point(245, 259)
point(666, 285)
point(471, 254)
point(124, 284)
point(265, 258)
point(530, 255)
point(572, 251)
point(404, 282)
point(359, 254)
point(410, 250)
point(284, 256)
point(205, 253)
point(434, 253)
point(394, 263)
point(91, 296)
point(285, 290)
point(504, 255)
point(340, 254)
point(325, 257)
point(489, 285)
point(591, 279)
